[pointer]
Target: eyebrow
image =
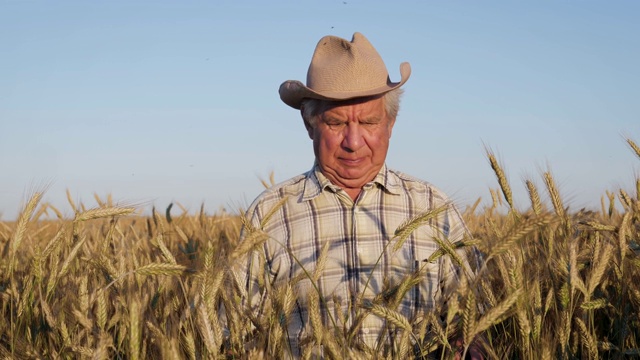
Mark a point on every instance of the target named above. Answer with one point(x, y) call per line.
point(367, 119)
point(372, 119)
point(329, 118)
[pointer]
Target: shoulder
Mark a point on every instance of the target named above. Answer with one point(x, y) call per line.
point(415, 187)
point(292, 187)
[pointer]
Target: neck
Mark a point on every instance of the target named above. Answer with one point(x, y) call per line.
point(353, 193)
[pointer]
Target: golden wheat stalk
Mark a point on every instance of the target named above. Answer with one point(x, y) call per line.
point(612, 203)
point(321, 262)
point(625, 200)
point(275, 340)
point(495, 199)
point(101, 309)
point(251, 241)
point(83, 293)
point(537, 311)
point(56, 211)
point(41, 211)
point(48, 314)
point(71, 202)
point(181, 233)
point(556, 200)
point(487, 292)
point(272, 211)
point(98, 213)
point(404, 286)
point(161, 269)
point(288, 303)
point(331, 347)
point(597, 226)
point(594, 304)
point(210, 288)
point(470, 210)
point(406, 228)
point(82, 350)
point(53, 244)
point(21, 226)
point(102, 350)
point(574, 277)
point(437, 329)
point(134, 329)
point(392, 316)
point(217, 330)
point(518, 232)
point(314, 316)
point(453, 302)
point(166, 254)
point(601, 265)
point(502, 178)
point(622, 235)
point(206, 331)
point(587, 339)
point(189, 345)
point(524, 326)
point(70, 257)
point(536, 204)
point(448, 249)
point(634, 147)
point(495, 314)
point(404, 345)
point(469, 317)
point(82, 319)
point(98, 200)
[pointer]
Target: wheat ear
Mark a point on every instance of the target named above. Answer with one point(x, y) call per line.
point(536, 204)
point(502, 178)
point(21, 227)
point(405, 229)
point(634, 147)
point(554, 195)
point(495, 314)
point(103, 213)
point(160, 269)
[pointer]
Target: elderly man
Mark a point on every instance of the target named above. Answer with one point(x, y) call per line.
point(331, 232)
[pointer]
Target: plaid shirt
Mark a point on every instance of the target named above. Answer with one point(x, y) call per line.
point(360, 265)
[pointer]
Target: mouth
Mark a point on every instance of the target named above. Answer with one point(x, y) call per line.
point(352, 162)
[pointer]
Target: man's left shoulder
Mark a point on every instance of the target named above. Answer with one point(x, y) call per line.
point(415, 185)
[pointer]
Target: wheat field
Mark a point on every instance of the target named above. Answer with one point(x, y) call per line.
point(111, 284)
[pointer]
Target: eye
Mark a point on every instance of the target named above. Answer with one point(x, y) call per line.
point(334, 123)
point(370, 122)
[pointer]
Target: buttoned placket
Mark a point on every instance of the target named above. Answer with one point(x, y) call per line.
point(359, 257)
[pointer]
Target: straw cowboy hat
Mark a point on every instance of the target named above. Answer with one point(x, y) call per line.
point(342, 70)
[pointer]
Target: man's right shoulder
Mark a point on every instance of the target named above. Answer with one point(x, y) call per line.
point(293, 187)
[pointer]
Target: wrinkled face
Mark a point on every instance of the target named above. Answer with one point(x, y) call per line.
point(350, 141)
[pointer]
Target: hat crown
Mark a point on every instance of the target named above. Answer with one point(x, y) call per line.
point(340, 65)
point(342, 70)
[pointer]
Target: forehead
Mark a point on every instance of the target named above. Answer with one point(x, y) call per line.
point(372, 106)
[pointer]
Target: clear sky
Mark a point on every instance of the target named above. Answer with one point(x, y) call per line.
point(160, 101)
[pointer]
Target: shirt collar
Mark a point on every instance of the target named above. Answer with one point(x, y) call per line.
point(316, 182)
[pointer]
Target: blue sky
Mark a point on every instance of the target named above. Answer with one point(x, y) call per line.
point(161, 101)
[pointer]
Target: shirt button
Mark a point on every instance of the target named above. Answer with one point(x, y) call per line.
point(365, 331)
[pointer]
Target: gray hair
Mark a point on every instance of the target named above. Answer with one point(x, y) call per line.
point(312, 108)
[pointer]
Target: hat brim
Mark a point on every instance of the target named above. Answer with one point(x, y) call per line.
point(292, 92)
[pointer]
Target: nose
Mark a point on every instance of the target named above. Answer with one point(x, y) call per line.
point(353, 139)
